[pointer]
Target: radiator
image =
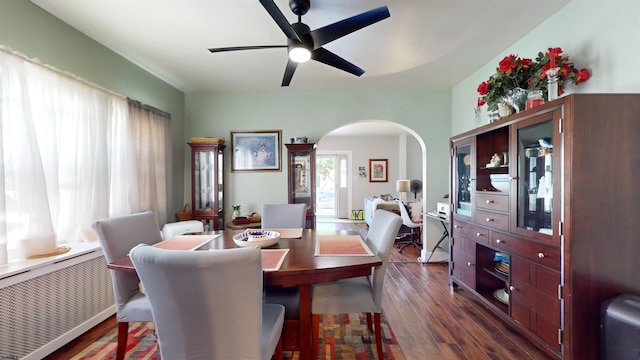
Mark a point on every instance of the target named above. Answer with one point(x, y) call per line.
point(43, 309)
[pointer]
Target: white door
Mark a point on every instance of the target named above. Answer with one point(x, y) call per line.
point(332, 185)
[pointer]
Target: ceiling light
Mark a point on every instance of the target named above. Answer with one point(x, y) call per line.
point(299, 54)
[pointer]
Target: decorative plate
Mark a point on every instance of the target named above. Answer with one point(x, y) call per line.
point(261, 238)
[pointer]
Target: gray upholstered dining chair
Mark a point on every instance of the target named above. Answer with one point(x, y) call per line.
point(208, 304)
point(283, 216)
point(117, 235)
point(361, 294)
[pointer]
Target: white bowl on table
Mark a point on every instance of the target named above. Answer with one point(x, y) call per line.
point(260, 238)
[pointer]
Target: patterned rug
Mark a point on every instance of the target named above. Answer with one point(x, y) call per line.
point(342, 337)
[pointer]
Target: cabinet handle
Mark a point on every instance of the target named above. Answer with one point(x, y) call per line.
point(490, 201)
point(541, 255)
point(479, 234)
point(457, 227)
point(512, 288)
point(470, 263)
point(489, 219)
point(498, 241)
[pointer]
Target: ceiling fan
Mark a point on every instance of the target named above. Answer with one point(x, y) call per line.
point(304, 44)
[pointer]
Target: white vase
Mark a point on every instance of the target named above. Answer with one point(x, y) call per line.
point(236, 214)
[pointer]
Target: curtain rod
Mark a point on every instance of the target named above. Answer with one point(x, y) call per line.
point(37, 62)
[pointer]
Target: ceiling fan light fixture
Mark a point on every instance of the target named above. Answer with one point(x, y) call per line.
point(299, 54)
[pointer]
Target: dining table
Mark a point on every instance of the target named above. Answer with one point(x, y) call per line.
point(301, 267)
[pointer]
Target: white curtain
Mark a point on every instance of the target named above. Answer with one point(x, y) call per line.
point(71, 154)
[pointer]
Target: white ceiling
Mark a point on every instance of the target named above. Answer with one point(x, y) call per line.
point(424, 44)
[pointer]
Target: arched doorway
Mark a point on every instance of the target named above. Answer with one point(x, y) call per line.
point(410, 163)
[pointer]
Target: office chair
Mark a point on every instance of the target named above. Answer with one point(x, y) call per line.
point(414, 228)
point(208, 304)
point(118, 235)
point(361, 294)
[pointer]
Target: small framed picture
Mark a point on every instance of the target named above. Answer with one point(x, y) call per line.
point(256, 150)
point(378, 170)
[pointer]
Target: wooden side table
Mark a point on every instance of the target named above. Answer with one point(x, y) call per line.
point(253, 225)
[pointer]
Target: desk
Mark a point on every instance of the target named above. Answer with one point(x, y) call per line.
point(300, 268)
point(445, 233)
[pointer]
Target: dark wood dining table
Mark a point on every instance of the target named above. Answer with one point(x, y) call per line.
point(300, 268)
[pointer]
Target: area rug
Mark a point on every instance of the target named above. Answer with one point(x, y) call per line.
point(342, 337)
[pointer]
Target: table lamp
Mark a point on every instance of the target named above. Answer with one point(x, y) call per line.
point(403, 187)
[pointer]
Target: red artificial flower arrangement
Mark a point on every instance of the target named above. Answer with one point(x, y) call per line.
point(515, 72)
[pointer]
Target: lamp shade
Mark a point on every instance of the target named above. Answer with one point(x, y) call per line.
point(403, 185)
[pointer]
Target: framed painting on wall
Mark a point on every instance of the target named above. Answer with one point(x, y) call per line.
point(256, 150)
point(378, 170)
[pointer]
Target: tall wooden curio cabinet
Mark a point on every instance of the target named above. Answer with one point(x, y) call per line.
point(544, 236)
point(301, 162)
point(207, 187)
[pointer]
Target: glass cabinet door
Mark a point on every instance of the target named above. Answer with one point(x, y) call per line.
point(462, 178)
point(538, 169)
point(204, 188)
point(302, 189)
point(207, 190)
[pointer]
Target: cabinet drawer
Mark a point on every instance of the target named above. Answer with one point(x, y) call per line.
point(478, 234)
point(494, 220)
point(535, 252)
point(495, 202)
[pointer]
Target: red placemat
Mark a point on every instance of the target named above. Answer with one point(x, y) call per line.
point(350, 245)
point(185, 242)
point(272, 258)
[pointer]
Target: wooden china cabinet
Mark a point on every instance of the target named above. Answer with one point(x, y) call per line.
point(561, 237)
point(301, 162)
point(207, 186)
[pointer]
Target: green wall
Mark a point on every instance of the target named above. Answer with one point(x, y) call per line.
point(601, 35)
point(29, 30)
point(313, 114)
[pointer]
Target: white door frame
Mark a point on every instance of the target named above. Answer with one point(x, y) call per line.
point(348, 154)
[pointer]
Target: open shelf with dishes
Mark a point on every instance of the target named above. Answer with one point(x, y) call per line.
point(492, 281)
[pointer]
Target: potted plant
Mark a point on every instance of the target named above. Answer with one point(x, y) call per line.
point(514, 76)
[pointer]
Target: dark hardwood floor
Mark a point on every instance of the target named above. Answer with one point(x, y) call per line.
point(430, 320)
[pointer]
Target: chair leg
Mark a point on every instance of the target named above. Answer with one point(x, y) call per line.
point(411, 241)
point(315, 334)
point(369, 322)
point(378, 334)
point(123, 332)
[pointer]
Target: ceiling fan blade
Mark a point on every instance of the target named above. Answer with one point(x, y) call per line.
point(288, 72)
point(280, 19)
point(327, 57)
point(344, 27)
point(236, 48)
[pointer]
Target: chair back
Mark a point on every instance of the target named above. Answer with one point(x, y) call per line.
point(283, 216)
point(170, 230)
point(406, 218)
point(380, 238)
point(205, 304)
point(117, 236)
